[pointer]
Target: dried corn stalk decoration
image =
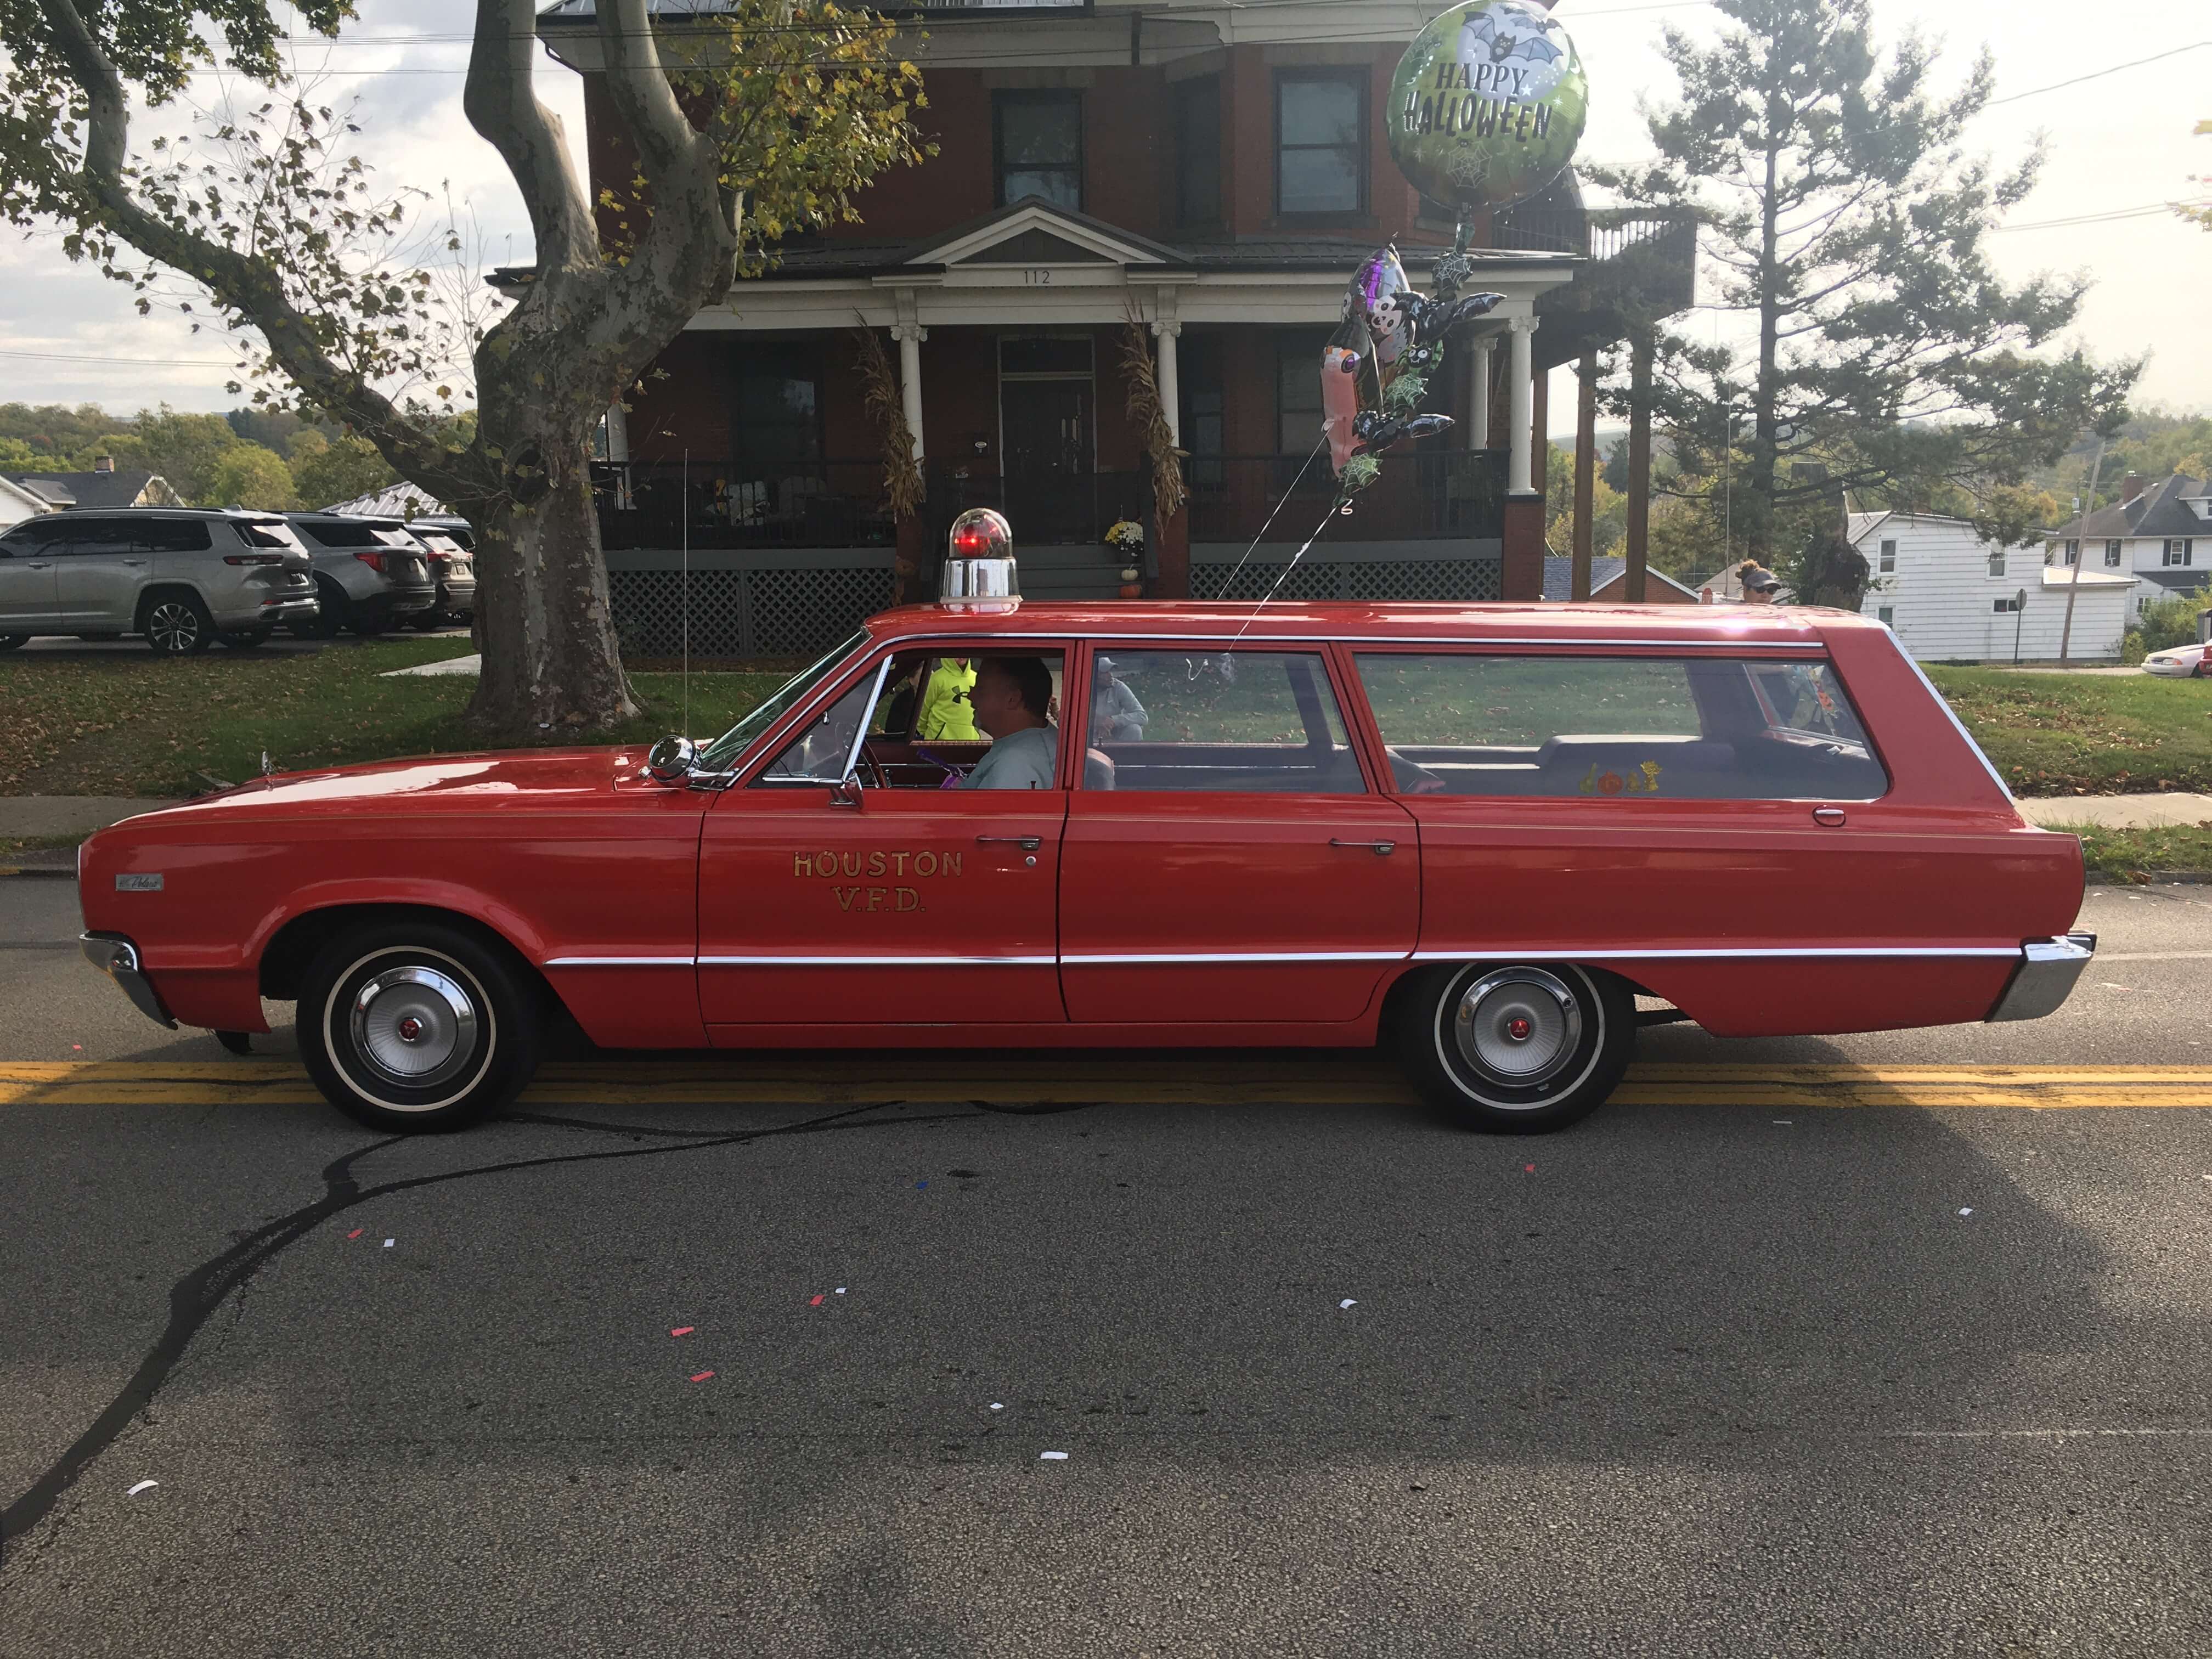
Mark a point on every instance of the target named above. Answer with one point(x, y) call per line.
point(1151, 421)
point(902, 482)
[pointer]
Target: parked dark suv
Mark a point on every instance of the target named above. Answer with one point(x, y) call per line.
point(180, 577)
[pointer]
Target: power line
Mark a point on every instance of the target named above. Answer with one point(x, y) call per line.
point(2113, 216)
point(2098, 75)
point(130, 363)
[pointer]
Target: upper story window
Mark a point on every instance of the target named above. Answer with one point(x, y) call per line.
point(1888, 557)
point(1037, 147)
point(1997, 562)
point(2180, 550)
point(1321, 141)
point(2073, 552)
point(2112, 556)
point(1198, 150)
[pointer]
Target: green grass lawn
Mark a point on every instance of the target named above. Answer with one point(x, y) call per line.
point(2066, 735)
point(2140, 855)
point(120, 724)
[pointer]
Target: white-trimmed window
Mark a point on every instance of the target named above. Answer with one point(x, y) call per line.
point(1997, 561)
point(2005, 607)
point(2180, 549)
point(1885, 615)
point(1888, 557)
point(2112, 556)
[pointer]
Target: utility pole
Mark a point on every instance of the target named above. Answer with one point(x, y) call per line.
point(2081, 549)
point(1642, 350)
point(1585, 472)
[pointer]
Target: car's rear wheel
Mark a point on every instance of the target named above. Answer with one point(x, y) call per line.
point(329, 617)
point(177, 625)
point(1520, 1047)
point(415, 1026)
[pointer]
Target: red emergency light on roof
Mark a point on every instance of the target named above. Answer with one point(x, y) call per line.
point(980, 533)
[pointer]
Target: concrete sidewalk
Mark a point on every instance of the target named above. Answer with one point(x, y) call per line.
point(27, 818)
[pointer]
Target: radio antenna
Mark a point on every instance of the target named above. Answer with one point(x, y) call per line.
point(684, 496)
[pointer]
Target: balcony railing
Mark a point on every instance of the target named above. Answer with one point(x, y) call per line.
point(1445, 495)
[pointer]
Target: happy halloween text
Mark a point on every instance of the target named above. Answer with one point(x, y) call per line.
point(1509, 116)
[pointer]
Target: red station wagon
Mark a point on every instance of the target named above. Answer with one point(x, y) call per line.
point(1477, 833)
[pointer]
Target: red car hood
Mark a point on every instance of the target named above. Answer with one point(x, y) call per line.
point(575, 774)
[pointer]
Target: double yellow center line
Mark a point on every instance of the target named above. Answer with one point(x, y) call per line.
point(1320, 1078)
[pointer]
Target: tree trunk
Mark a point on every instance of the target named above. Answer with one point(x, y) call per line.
point(552, 667)
point(1632, 581)
point(1766, 437)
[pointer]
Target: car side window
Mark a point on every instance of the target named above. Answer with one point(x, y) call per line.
point(87, 536)
point(1674, 727)
point(176, 535)
point(38, 535)
point(1242, 722)
point(818, 754)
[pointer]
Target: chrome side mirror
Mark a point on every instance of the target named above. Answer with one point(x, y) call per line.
point(670, 759)
point(846, 793)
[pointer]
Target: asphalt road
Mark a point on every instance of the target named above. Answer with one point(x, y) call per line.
point(1685, 1380)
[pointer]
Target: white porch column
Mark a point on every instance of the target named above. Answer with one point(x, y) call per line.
point(1478, 396)
point(1521, 392)
point(909, 335)
point(618, 450)
point(1164, 372)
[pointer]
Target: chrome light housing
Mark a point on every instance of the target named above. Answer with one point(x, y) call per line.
point(671, 760)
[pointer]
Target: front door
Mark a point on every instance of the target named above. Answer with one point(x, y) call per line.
point(103, 567)
point(919, 906)
point(27, 575)
point(1048, 459)
point(1227, 860)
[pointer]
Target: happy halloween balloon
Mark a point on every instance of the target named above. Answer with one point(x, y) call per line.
point(1488, 105)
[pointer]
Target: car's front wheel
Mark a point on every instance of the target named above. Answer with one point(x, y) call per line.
point(1520, 1047)
point(417, 1025)
point(177, 625)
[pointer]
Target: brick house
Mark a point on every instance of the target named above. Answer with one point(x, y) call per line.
point(1218, 175)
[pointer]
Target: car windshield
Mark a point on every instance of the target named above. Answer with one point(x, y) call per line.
point(727, 750)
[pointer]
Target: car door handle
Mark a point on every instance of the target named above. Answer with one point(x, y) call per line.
point(1027, 843)
point(136, 562)
point(1382, 849)
point(1832, 816)
point(38, 567)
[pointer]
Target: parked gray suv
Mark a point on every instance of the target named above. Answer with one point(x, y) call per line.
point(180, 577)
point(370, 574)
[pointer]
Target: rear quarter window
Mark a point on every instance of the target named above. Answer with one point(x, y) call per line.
point(175, 535)
point(1665, 728)
point(338, 534)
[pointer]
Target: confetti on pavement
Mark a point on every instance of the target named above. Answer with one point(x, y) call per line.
point(1966, 1213)
point(997, 1406)
point(143, 1486)
point(356, 1232)
point(682, 1330)
point(1348, 1301)
point(816, 1302)
point(389, 1243)
point(701, 1377)
point(1052, 1457)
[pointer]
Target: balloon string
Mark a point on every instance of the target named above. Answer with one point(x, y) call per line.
point(1289, 567)
point(1239, 566)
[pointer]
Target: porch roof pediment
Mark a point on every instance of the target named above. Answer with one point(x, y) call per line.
point(1032, 231)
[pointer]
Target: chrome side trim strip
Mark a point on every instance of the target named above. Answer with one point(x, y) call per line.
point(1600, 953)
point(1204, 956)
point(619, 962)
point(878, 962)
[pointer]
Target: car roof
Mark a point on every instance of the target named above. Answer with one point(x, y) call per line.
point(256, 513)
point(1308, 620)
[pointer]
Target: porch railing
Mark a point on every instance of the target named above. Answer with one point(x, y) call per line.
point(823, 504)
point(1457, 495)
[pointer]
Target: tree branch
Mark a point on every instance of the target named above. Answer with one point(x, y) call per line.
point(502, 106)
point(246, 288)
point(638, 87)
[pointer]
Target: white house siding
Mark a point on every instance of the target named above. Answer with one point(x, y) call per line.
point(1943, 597)
point(17, 505)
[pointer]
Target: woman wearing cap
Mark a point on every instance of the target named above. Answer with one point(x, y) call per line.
point(1759, 584)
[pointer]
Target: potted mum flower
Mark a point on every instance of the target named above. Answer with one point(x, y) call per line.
point(1127, 537)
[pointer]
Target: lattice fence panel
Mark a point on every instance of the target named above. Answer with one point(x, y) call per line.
point(804, 612)
point(1458, 579)
point(745, 613)
point(648, 609)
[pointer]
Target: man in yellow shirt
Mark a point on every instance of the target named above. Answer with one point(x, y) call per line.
point(947, 713)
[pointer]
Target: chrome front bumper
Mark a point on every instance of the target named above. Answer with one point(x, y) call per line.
point(2045, 976)
point(118, 957)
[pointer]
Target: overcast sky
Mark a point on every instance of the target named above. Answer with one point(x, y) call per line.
point(2120, 143)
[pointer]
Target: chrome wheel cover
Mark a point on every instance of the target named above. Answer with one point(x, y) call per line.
point(1517, 1027)
point(415, 1026)
point(172, 626)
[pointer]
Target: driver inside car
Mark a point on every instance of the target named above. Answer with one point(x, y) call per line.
point(1011, 698)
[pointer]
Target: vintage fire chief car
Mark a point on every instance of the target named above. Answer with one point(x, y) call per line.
point(1476, 833)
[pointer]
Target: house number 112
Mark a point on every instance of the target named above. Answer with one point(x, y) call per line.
point(1036, 278)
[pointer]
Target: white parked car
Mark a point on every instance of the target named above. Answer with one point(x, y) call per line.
point(2182, 662)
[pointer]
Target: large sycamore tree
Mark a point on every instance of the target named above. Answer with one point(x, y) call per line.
point(765, 116)
point(1847, 226)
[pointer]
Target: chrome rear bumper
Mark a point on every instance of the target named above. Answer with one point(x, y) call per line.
point(2045, 976)
point(118, 957)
